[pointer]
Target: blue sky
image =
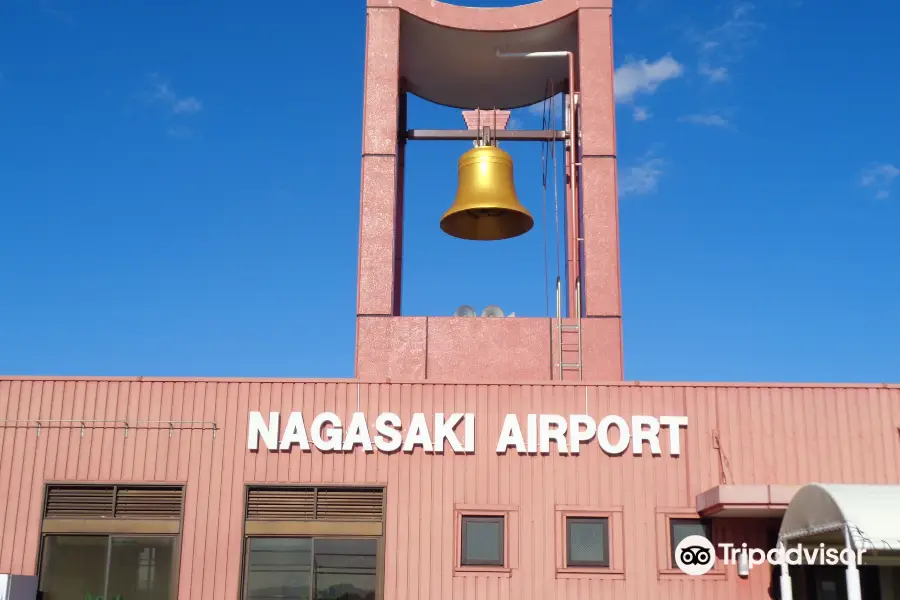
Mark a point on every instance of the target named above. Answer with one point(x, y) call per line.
point(179, 184)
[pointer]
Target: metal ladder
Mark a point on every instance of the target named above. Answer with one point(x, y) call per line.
point(560, 329)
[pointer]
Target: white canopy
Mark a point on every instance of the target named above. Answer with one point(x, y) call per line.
point(818, 512)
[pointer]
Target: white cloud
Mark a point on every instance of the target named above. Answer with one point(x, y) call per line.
point(714, 74)
point(643, 77)
point(726, 42)
point(162, 93)
point(711, 120)
point(879, 177)
point(734, 35)
point(633, 78)
point(641, 178)
point(641, 113)
point(187, 106)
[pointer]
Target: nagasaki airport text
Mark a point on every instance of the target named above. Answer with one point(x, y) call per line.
point(538, 434)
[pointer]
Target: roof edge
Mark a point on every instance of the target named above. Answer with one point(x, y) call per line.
point(402, 381)
point(511, 18)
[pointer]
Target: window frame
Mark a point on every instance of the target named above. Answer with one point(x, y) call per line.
point(511, 532)
point(464, 520)
point(664, 569)
point(176, 554)
point(678, 520)
point(604, 522)
point(379, 559)
point(313, 529)
point(616, 519)
point(113, 526)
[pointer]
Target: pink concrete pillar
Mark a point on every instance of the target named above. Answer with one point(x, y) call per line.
point(599, 196)
point(379, 236)
point(598, 152)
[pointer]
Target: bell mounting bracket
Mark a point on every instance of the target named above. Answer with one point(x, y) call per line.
point(486, 128)
point(503, 135)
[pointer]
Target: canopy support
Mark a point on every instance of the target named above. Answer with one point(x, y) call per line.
point(786, 591)
point(854, 587)
point(854, 584)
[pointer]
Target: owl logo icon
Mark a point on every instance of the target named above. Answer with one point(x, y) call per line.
point(695, 555)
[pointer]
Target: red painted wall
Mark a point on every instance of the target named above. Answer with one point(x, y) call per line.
point(768, 434)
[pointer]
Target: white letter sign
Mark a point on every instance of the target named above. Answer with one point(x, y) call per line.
point(259, 429)
point(511, 435)
point(440, 433)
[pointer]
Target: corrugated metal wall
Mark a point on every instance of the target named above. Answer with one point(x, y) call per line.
point(776, 435)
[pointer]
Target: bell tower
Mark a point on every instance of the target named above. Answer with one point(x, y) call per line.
point(497, 59)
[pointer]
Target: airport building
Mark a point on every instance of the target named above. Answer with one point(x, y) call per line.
point(474, 456)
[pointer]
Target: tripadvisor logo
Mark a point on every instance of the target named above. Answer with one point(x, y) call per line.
point(696, 555)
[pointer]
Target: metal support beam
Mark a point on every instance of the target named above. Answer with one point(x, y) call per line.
point(503, 135)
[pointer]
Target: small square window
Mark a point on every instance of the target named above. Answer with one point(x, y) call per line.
point(587, 542)
point(482, 541)
point(682, 528)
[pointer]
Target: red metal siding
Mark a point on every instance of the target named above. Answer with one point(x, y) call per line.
point(775, 435)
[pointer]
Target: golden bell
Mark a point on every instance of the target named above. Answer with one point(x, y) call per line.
point(486, 206)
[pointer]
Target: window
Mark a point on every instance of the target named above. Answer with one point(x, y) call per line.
point(587, 542)
point(482, 541)
point(481, 544)
point(313, 543)
point(110, 541)
point(311, 568)
point(74, 565)
point(99, 566)
point(682, 528)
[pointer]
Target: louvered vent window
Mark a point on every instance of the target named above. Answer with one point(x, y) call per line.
point(315, 504)
point(114, 502)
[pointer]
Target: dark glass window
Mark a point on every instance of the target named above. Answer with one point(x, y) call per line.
point(482, 541)
point(100, 566)
point(74, 566)
point(587, 542)
point(311, 569)
point(682, 528)
point(345, 569)
point(279, 568)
